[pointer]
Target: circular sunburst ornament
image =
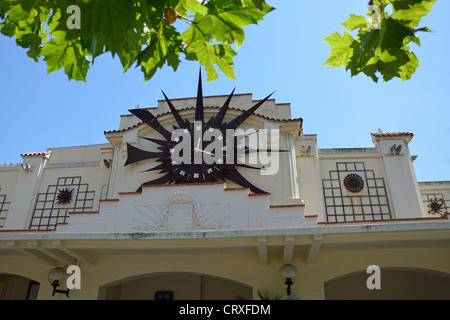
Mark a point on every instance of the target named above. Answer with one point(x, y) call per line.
point(64, 196)
point(354, 183)
point(436, 206)
point(196, 168)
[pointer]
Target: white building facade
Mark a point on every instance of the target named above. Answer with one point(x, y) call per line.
point(330, 213)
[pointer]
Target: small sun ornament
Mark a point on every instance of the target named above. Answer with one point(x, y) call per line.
point(436, 207)
point(64, 196)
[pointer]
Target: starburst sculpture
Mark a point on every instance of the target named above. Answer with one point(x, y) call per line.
point(174, 173)
point(64, 196)
point(436, 206)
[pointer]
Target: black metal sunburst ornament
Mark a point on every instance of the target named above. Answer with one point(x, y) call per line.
point(437, 206)
point(175, 173)
point(64, 196)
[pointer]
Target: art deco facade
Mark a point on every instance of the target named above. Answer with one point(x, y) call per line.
point(331, 213)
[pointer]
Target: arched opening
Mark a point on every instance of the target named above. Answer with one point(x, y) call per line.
point(396, 284)
point(176, 286)
point(13, 287)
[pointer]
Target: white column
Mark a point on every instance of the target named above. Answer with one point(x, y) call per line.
point(309, 179)
point(401, 182)
point(292, 165)
point(25, 195)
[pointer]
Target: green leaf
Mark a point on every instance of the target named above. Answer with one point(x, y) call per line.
point(130, 49)
point(409, 67)
point(33, 42)
point(229, 21)
point(134, 30)
point(224, 22)
point(259, 4)
point(112, 23)
point(208, 55)
point(22, 9)
point(68, 54)
point(165, 48)
point(193, 6)
point(341, 50)
point(355, 22)
point(403, 67)
point(381, 51)
point(364, 54)
point(411, 11)
point(198, 31)
point(391, 39)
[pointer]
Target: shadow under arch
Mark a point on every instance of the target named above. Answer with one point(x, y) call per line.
point(397, 283)
point(182, 286)
point(16, 287)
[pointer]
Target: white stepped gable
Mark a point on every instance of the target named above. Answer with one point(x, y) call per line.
point(186, 208)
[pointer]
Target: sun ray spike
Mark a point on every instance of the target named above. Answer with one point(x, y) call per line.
point(236, 122)
point(210, 122)
point(221, 115)
point(151, 120)
point(232, 174)
point(175, 112)
point(199, 104)
point(137, 155)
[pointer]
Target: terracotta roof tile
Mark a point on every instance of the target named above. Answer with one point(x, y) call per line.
point(191, 108)
point(33, 154)
point(392, 134)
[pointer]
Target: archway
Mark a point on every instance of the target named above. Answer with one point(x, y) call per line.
point(176, 286)
point(396, 284)
point(14, 287)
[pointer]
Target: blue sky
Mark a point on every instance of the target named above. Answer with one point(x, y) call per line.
point(285, 52)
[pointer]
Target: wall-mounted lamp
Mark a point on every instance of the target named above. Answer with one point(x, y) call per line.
point(56, 276)
point(288, 272)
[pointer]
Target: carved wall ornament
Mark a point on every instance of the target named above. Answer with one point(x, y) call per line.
point(181, 196)
point(27, 167)
point(396, 150)
point(181, 213)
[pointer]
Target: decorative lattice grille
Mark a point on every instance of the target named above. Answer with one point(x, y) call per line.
point(363, 198)
point(49, 211)
point(4, 207)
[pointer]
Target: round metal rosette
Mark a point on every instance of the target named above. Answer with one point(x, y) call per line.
point(354, 183)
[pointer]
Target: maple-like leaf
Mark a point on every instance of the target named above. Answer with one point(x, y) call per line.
point(381, 51)
point(68, 54)
point(341, 49)
point(138, 32)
